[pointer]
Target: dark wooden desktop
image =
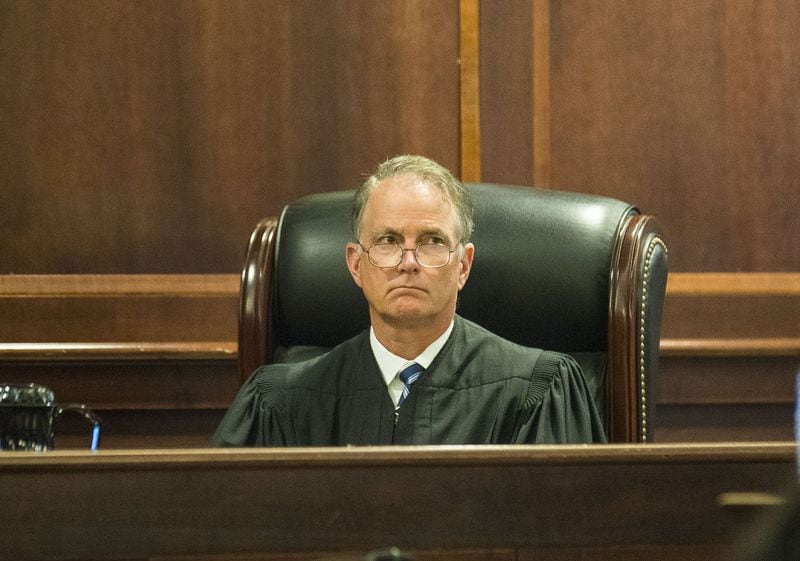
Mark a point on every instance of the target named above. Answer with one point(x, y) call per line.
point(466, 503)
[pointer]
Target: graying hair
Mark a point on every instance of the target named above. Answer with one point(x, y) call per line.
point(427, 170)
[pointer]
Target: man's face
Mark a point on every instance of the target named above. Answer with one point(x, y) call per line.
point(406, 210)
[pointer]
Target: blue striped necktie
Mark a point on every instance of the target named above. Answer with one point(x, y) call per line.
point(408, 376)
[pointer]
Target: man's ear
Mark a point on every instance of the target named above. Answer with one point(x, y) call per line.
point(465, 262)
point(353, 258)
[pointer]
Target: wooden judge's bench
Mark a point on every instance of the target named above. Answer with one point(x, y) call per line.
point(519, 503)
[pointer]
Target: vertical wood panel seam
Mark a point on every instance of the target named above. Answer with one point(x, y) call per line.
point(470, 116)
point(541, 92)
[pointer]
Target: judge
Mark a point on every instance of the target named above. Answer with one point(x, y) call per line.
point(420, 374)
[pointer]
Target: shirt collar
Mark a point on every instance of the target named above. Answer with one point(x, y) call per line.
point(390, 364)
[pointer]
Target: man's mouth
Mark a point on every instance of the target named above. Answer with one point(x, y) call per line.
point(407, 288)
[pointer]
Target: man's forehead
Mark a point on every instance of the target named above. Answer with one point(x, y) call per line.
point(395, 186)
point(388, 200)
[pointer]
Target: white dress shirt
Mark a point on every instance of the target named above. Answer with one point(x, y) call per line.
point(391, 364)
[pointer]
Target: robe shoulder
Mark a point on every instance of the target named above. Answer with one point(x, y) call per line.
point(268, 405)
point(520, 394)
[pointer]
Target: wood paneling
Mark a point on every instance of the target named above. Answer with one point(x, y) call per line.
point(732, 306)
point(506, 92)
point(147, 137)
point(684, 108)
point(151, 352)
point(724, 397)
point(538, 502)
point(136, 429)
point(150, 137)
point(730, 354)
point(173, 401)
point(117, 308)
point(153, 355)
point(724, 423)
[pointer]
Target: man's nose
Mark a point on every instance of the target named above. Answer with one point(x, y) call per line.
point(408, 261)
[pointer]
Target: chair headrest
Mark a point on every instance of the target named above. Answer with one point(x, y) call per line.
point(540, 275)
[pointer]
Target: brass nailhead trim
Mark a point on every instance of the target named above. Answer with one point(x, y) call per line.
point(654, 242)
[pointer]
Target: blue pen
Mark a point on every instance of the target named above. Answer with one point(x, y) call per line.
point(95, 437)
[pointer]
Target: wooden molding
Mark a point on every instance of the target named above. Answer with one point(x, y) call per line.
point(143, 351)
point(734, 284)
point(75, 286)
point(469, 47)
point(415, 456)
point(785, 346)
point(118, 308)
point(541, 93)
point(732, 314)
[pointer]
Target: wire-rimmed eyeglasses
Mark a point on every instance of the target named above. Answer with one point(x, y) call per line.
point(389, 255)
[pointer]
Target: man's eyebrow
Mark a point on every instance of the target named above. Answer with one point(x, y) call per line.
point(438, 232)
point(425, 232)
point(378, 232)
point(434, 232)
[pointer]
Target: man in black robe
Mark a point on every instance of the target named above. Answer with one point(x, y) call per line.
point(412, 221)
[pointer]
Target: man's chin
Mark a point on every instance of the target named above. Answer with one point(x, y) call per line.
point(408, 315)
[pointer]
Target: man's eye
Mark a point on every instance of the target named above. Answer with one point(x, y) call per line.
point(433, 241)
point(385, 240)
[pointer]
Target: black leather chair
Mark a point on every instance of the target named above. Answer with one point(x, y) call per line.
point(563, 271)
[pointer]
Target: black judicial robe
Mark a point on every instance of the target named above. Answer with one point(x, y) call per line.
point(480, 389)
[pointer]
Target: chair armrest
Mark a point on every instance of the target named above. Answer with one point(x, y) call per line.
point(255, 290)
